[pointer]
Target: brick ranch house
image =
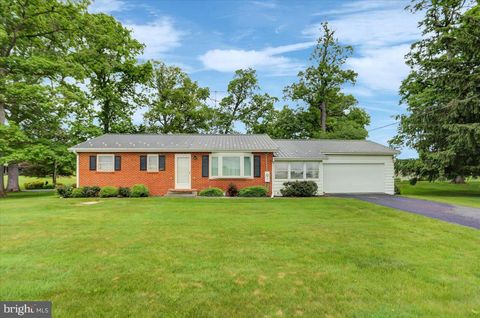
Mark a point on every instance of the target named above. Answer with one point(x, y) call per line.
point(191, 162)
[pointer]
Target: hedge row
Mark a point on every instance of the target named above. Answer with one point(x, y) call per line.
point(36, 185)
point(138, 190)
point(232, 191)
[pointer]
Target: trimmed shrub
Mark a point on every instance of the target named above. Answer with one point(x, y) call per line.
point(211, 192)
point(124, 192)
point(256, 191)
point(65, 191)
point(35, 185)
point(139, 190)
point(299, 189)
point(108, 192)
point(78, 193)
point(413, 181)
point(48, 186)
point(91, 192)
point(232, 190)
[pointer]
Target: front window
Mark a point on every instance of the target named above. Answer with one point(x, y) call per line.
point(312, 170)
point(296, 170)
point(231, 165)
point(281, 170)
point(152, 163)
point(105, 163)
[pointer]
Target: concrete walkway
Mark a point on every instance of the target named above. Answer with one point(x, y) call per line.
point(466, 216)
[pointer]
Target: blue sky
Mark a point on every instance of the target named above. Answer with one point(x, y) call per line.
point(211, 39)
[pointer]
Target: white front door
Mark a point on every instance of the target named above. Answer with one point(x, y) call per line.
point(182, 171)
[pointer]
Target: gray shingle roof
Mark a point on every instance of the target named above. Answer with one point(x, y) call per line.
point(177, 142)
point(318, 148)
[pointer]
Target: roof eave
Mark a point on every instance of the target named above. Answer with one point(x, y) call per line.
point(165, 150)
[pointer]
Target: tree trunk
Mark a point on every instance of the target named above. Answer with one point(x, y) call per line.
point(2, 186)
point(324, 116)
point(54, 176)
point(458, 179)
point(13, 173)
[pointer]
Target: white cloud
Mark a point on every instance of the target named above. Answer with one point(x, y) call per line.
point(159, 36)
point(268, 59)
point(107, 6)
point(381, 68)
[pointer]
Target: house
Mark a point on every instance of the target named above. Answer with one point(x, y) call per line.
point(192, 162)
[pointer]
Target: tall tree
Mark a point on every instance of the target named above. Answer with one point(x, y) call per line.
point(442, 90)
point(35, 38)
point(109, 54)
point(243, 103)
point(320, 86)
point(176, 104)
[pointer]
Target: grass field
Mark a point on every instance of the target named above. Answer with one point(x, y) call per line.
point(463, 194)
point(23, 179)
point(163, 257)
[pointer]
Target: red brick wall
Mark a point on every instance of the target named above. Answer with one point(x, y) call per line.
point(160, 182)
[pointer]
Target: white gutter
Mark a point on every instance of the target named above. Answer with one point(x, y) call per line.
point(76, 150)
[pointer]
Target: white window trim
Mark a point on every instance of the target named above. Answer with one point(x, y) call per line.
point(220, 165)
point(106, 155)
point(289, 170)
point(148, 165)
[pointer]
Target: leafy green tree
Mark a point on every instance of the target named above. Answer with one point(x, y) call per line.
point(319, 87)
point(442, 90)
point(109, 54)
point(176, 104)
point(35, 46)
point(243, 104)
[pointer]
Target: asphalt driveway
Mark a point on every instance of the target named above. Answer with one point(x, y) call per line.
point(442, 211)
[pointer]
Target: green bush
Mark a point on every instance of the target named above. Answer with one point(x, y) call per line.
point(48, 186)
point(232, 190)
point(91, 192)
point(35, 185)
point(139, 190)
point(124, 192)
point(256, 191)
point(108, 192)
point(396, 188)
point(413, 181)
point(299, 189)
point(65, 191)
point(211, 192)
point(78, 193)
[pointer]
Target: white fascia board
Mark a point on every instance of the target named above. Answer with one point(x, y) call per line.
point(166, 150)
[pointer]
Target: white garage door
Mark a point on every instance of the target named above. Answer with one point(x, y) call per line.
point(353, 177)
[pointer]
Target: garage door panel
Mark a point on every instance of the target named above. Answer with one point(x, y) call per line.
point(354, 177)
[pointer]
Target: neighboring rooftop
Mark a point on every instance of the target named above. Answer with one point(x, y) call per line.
point(318, 148)
point(178, 142)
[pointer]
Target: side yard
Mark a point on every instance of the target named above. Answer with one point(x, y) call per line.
point(243, 257)
point(462, 194)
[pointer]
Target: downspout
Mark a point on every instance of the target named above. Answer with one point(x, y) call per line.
point(78, 170)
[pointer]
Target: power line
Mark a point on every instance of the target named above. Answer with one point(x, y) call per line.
point(433, 108)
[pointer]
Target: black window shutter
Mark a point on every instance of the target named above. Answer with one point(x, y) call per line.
point(143, 163)
point(118, 163)
point(256, 166)
point(93, 163)
point(161, 162)
point(205, 166)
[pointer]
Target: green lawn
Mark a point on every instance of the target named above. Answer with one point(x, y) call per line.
point(161, 257)
point(463, 194)
point(23, 179)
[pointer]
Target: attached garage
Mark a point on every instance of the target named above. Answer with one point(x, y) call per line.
point(345, 166)
point(354, 178)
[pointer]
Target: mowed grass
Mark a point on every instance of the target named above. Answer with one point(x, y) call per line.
point(23, 179)
point(164, 257)
point(467, 194)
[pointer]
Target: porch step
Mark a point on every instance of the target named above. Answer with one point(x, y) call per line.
point(182, 193)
